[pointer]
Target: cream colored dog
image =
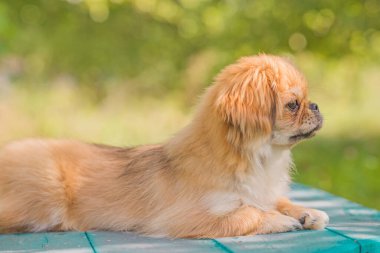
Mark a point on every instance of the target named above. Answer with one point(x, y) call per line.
point(225, 174)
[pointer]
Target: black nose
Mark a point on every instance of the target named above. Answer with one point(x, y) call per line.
point(313, 107)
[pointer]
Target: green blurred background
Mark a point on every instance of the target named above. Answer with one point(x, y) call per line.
point(129, 72)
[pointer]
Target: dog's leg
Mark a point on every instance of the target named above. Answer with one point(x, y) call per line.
point(244, 221)
point(309, 218)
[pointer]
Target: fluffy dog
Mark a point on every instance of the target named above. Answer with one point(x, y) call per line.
point(225, 174)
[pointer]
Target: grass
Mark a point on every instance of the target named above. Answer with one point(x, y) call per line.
point(344, 166)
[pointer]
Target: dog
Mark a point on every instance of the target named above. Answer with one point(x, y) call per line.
point(225, 174)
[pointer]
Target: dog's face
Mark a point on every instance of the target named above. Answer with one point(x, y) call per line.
point(266, 97)
point(297, 118)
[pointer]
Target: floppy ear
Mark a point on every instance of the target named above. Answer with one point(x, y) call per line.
point(247, 100)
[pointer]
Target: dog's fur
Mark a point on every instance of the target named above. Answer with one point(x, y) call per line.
point(225, 174)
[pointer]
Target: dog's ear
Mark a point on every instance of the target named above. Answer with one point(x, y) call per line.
point(247, 100)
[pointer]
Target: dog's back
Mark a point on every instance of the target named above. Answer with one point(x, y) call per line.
point(63, 185)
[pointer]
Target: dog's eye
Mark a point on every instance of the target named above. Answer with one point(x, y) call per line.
point(293, 106)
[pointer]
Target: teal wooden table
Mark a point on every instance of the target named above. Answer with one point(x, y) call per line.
point(352, 228)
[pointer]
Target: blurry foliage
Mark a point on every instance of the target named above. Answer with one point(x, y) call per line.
point(97, 41)
point(94, 69)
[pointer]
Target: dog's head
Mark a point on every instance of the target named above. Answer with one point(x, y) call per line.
point(265, 97)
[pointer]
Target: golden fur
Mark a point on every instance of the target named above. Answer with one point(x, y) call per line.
point(225, 174)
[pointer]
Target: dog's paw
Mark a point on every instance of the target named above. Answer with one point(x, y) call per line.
point(275, 222)
point(314, 219)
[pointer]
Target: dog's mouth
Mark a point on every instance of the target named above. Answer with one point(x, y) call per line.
point(306, 135)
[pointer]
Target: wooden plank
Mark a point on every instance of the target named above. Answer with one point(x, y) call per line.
point(295, 242)
point(348, 219)
point(73, 242)
point(130, 242)
point(366, 234)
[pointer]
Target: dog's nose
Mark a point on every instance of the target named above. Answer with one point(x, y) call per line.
point(314, 107)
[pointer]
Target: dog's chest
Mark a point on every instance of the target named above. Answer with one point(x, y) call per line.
point(259, 186)
point(267, 179)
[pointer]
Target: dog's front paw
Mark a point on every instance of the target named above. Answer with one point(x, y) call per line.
point(275, 222)
point(314, 219)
